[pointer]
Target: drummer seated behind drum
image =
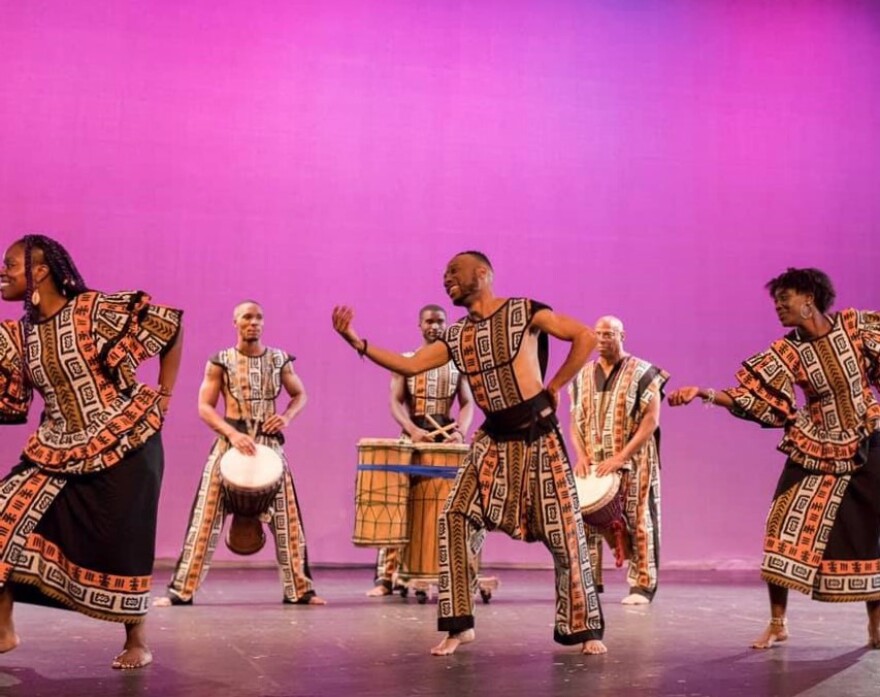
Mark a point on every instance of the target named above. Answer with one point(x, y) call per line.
point(422, 405)
point(249, 376)
point(615, 421)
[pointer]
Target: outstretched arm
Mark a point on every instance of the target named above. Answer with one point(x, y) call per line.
point(430, 356)
point(581, 337)
point(686, 395)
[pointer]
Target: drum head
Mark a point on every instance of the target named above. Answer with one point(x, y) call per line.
point(251, 471)
point(594, 488)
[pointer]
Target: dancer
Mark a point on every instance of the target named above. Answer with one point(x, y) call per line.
point(79, 511)
point(823, 532)
point(517, 477)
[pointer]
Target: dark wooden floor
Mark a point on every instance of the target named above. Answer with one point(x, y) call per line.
point(240, 641)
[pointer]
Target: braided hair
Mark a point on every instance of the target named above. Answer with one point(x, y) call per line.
point(63, 271)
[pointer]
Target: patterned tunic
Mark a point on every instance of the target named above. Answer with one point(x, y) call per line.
point(607, 413)
point(516, 477)
point(823, 531)
point(433, 391)
point(835, 373)
point(97, 416)
point(251, 385)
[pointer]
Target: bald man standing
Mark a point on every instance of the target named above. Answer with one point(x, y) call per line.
point(250, 376)
point(615, 420)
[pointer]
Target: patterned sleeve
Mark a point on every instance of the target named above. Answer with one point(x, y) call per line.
point(868, 327)
point(652, 383)
point(15, 392)
point(766, 391)
point(130, 330)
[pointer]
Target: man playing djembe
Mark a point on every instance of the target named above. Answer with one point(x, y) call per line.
point(615, 403)
point(249, 376)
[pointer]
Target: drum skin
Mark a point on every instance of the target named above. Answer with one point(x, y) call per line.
point(250, 485)
point(599, 498)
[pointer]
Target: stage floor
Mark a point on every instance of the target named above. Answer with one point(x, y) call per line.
point(238, 640)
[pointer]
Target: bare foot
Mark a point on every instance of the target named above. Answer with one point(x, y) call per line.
point(873, 635)
point(776, 633)
point(451, 642)
point(594, 647)
point(132, 658)
point(378, 591)
point(8, 639)
point(316, 600)
point(162, 601)
point(635, 599)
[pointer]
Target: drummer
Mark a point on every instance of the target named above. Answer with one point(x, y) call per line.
point(615, 417)
point(249, 376)
point(422, 405)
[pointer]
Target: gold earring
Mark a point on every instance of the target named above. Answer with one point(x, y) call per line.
point(35, 298)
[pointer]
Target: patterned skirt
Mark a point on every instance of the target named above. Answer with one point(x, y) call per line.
point(823, 532)
point(84, 542)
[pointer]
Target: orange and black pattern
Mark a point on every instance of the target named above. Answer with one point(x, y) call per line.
point(823, 528)
point(835, 372)
point(606, 417)
point(82, 361)
point(485, 352)
point(526, 490)
point(433, 391)
point(250, 386)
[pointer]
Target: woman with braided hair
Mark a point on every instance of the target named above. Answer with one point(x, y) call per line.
point(79, 511)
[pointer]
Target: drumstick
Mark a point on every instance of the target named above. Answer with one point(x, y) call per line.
point(440, 429)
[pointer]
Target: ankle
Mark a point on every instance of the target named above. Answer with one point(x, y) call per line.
point(778, 622)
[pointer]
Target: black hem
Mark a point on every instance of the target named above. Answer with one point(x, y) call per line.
point(455, 625)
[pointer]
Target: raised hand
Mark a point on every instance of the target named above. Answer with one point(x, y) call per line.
point(342, 318)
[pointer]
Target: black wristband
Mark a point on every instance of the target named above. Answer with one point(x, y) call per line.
point(363, 350)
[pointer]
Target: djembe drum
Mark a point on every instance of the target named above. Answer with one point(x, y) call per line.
point(601, 506)
point(250, 485)
point(382, 493)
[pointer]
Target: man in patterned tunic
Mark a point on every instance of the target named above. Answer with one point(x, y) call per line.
point(416, 401)
point(249, 376)
point(615, 403)
point(517, 477)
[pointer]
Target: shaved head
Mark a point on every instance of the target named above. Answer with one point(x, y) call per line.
point(237, 310)
point(610, 322)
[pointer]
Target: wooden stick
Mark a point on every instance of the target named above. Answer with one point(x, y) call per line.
point(444, 430)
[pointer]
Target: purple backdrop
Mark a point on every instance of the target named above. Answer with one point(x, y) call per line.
point(655, 160)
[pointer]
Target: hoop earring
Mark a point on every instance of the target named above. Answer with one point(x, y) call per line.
point(809, 311)
point(35, 298)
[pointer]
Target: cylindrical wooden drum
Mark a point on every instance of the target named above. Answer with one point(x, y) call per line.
point(382, 493)
point(250, 485)
point(435, 466)
point(599, 498)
